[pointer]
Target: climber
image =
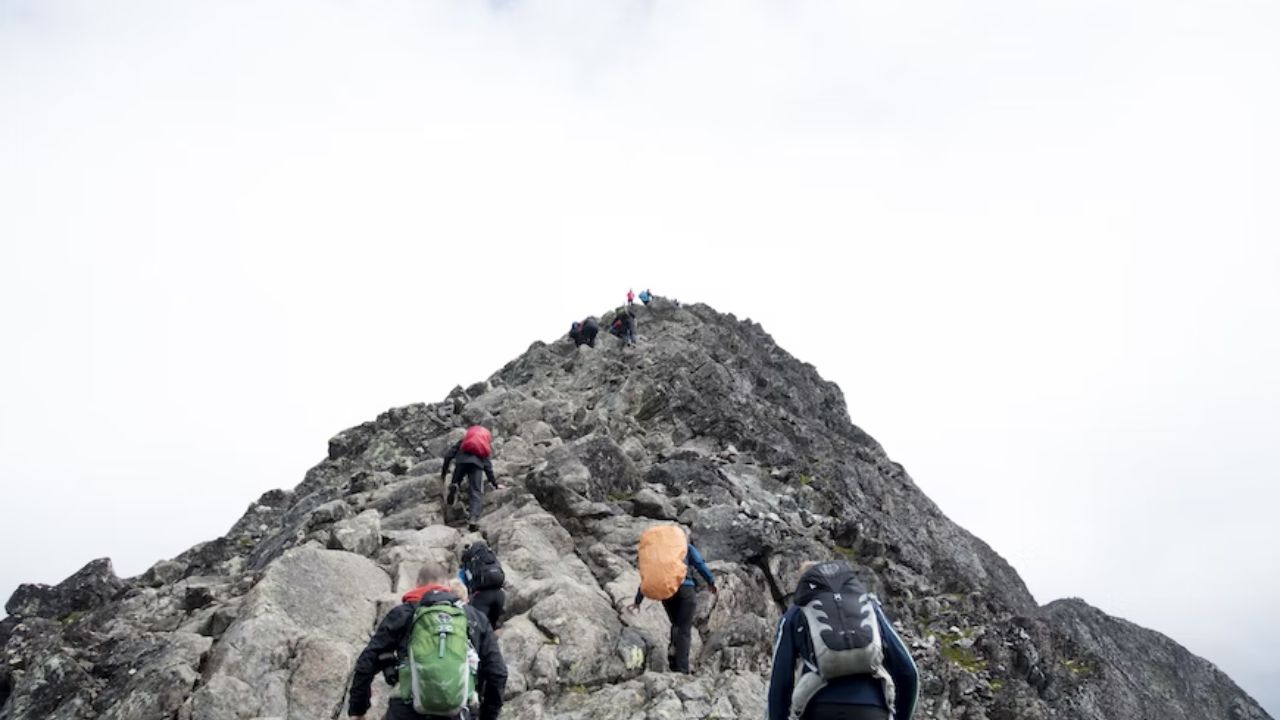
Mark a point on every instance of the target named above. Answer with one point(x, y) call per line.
point(665, 559)
point(624, 326)
point(590, 328)
point(399, 632)
point(584, 333)
point(862, 674)
point(631, 298)
point(628, 336)
point(482, 574)
point(472, 456)
point(645, 296)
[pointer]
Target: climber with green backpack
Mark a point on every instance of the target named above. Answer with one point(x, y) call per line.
point(447, 657)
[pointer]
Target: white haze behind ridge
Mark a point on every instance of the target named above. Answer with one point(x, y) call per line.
point(1035, 243)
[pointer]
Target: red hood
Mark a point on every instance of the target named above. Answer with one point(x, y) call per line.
point(415, 595)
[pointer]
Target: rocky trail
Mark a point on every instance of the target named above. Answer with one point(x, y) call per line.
point(706, 421)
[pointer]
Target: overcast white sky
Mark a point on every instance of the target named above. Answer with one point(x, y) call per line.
point(1036, 243)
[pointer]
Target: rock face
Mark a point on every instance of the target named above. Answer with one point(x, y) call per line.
point(706, 421)
point(91, 586)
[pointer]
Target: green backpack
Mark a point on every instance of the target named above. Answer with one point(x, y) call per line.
point(437, 676)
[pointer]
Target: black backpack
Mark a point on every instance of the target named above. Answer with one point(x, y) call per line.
point(483, 568)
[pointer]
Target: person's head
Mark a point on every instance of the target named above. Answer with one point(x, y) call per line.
point(457, 588)
point(433, 573)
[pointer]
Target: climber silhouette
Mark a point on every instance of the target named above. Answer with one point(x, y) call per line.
point(856, 671)
point(391, 641)
point(484, 578)
point(683, 605)
point(624, 326)
point(472, 456)
point(584, 333)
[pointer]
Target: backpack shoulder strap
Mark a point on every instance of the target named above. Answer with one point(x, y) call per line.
point(414, 618)
point(800, 633)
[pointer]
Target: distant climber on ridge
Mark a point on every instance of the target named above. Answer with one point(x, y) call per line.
point(631, 298)
point(665, 558)
point(584, 333)
point(482, 574)
point(624, 326)
point(472, 458)
point(645, 296)
point(853, 665)
point(432, 637)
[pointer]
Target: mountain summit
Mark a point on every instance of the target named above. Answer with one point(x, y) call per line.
point(706, 421)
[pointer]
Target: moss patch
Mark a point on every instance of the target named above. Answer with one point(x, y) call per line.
point(953, 651)
point(1079, 668)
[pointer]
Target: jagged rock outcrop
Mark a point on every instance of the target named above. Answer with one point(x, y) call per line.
point(89, 587)
point(706, 421)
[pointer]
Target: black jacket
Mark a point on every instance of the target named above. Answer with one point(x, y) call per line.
point(393, 636)
point(590, 328)
point(623, 323)
point(455, 454)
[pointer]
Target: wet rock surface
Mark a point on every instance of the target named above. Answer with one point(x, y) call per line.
point(707, 421)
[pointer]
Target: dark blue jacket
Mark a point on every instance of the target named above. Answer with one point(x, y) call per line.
point(693, 561)
point(855, 690)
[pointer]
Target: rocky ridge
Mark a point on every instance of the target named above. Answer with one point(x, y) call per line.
point(707, 422)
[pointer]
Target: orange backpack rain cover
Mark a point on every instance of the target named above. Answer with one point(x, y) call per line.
point(662, 561)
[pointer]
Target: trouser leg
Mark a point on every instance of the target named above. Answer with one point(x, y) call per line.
point(670, 605)
point(681, 609)
point(459, 472)
point(476, 480)
point(490, 603)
